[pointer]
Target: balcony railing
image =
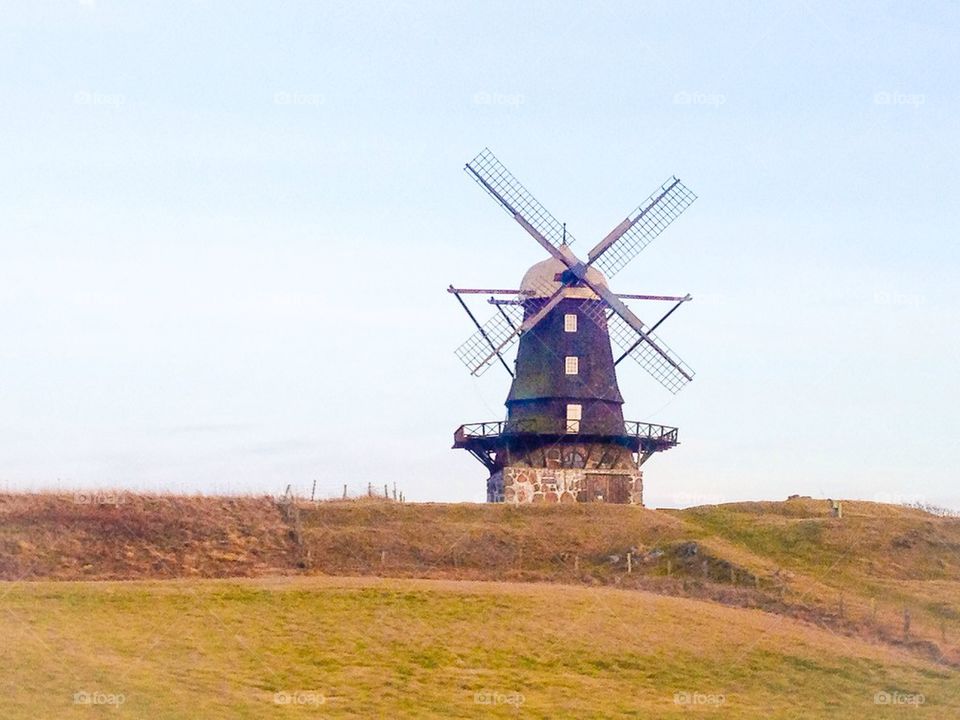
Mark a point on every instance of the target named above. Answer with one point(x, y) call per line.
point(651, 431)
point(659, 434)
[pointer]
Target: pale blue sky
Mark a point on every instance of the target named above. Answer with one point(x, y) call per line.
point(227, 229)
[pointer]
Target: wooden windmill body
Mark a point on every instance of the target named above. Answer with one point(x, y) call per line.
point(564, 438)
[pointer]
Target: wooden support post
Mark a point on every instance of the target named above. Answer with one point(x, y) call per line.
point(344, 491)
point(669, 568)
point(386, 495)
point(313, 492)
point(629, 562)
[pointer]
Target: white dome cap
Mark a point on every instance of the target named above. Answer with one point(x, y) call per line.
point(541, 281)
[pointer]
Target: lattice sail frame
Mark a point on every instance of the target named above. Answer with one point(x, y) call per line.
point(623, 337)
point(512, 196)
point(655, 214)
point(646, 356)
point(497, 330)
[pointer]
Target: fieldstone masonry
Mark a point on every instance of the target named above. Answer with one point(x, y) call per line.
point(567, 474)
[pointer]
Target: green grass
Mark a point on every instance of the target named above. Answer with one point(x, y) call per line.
point(372, 648)
point(878, 561)
point(858, 575)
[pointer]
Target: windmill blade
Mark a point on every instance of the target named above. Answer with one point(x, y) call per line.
point(625, 328)
point(651, 353)
point(641, 227)
point(505, 340)
point(481, 350)
point(513, 197)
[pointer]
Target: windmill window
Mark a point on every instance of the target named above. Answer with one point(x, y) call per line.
point(570, 323)
point(574, 413)
point(572, 365)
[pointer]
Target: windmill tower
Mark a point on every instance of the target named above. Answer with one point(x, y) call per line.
point(565, 438)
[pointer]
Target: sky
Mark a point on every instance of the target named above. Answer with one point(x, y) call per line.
point(226, 231)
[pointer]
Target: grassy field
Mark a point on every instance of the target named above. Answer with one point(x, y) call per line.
point(221, 607)
point(375, 647)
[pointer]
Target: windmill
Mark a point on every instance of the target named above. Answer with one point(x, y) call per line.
point(564, 438)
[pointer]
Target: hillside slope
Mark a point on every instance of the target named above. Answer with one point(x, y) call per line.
point(883, 573)
point(384, 647)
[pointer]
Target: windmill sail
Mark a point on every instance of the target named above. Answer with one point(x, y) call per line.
point(652, 354)
point(478, 352)
point(641, 227)
point(513, 197)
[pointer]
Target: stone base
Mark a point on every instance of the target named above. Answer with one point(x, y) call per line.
point(520, 485)
point(568, 474)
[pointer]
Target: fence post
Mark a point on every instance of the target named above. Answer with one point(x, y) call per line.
point(630, 562)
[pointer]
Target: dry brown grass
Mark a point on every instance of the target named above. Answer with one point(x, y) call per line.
point(110, 535)
point(856, 576)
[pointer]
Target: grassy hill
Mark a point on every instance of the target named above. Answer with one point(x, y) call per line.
point(377, 647)
point(746, 610)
